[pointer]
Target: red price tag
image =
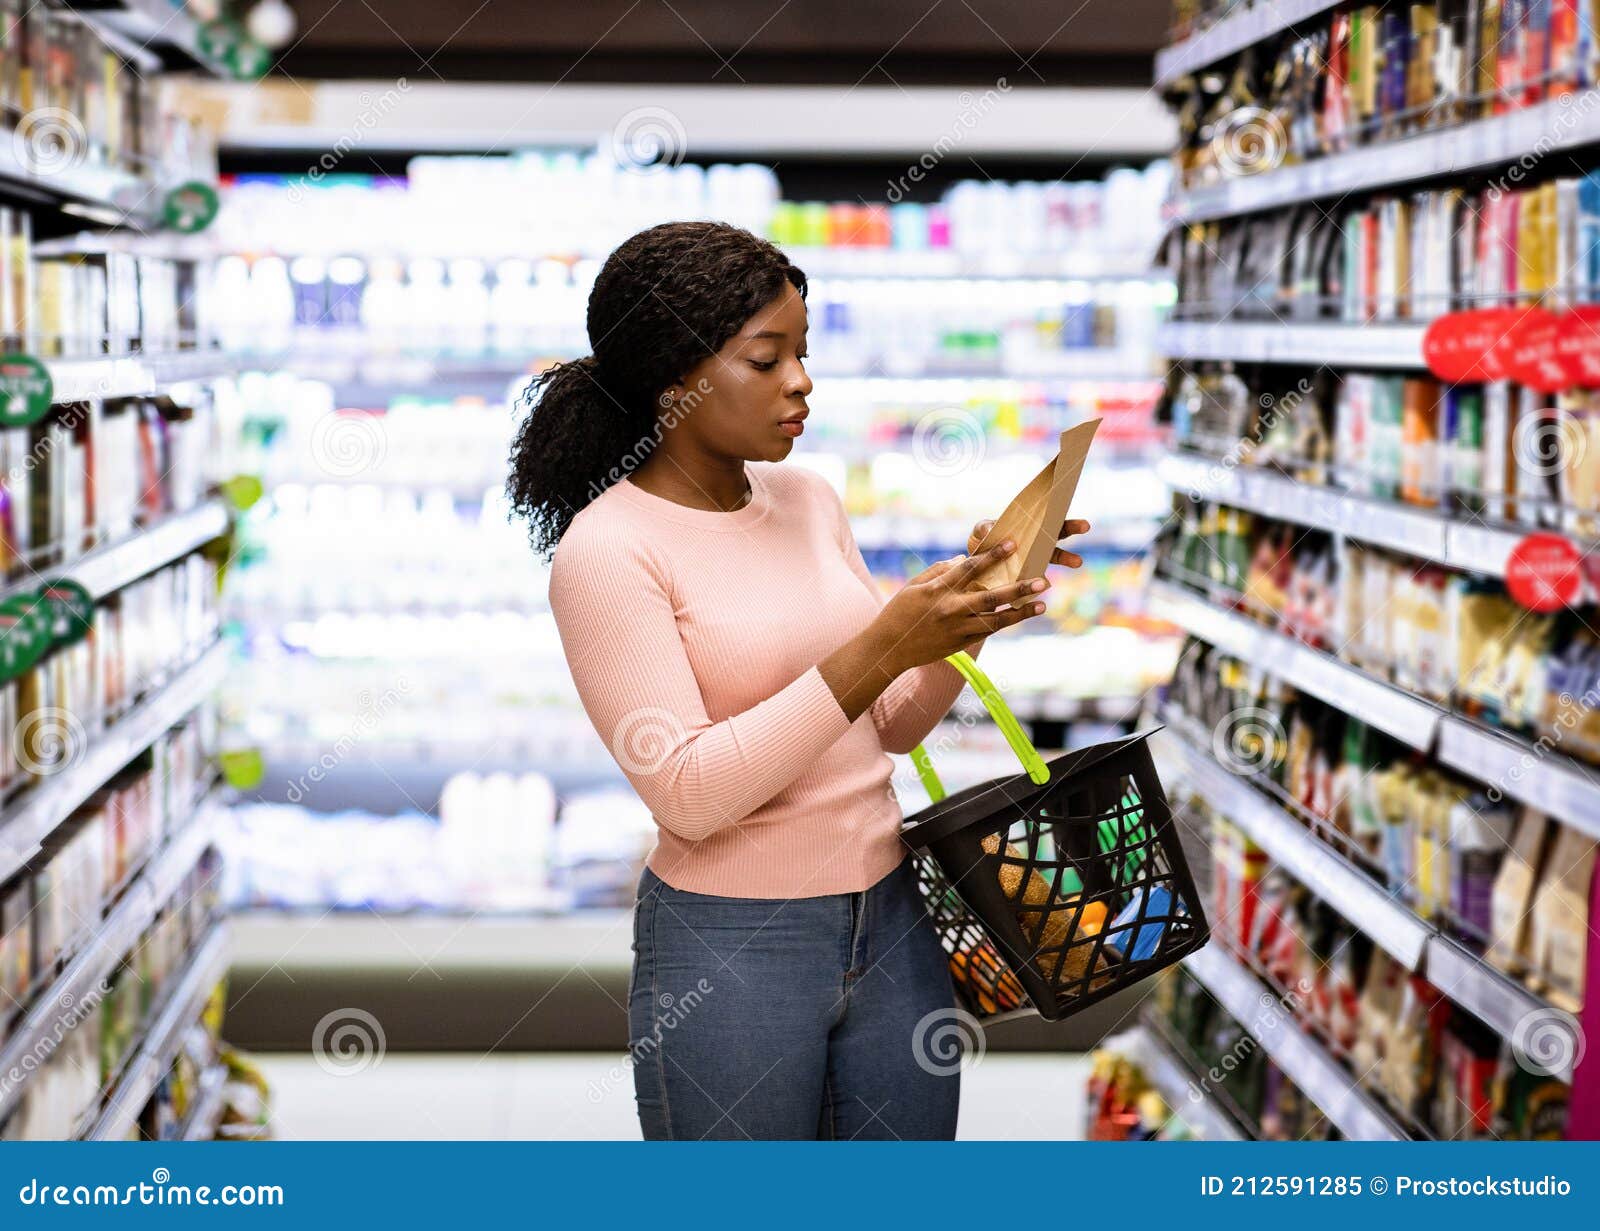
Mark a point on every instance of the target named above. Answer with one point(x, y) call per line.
point(1533, 359)
point(1544, 573)
point(1469, 347)
point(1578, 346)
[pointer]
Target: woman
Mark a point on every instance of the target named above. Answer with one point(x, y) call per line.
point(729, 647)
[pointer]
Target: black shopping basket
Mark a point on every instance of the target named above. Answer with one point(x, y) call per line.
point(1053, 888)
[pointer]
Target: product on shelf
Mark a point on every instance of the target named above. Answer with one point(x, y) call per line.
point(66, 1091)
point(1433, 1064)
point(1457, 855)
point(1447, 636)
point(1364, 75)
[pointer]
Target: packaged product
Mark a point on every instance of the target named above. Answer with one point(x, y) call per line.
point(1485, 626)
point(1380, 1002)
point(1410, 1058)
point(1513, 893)
point(1529, 1106)
point(1480, 833)
point(1463, 1104)
point(16, 948)
point(1558, 948)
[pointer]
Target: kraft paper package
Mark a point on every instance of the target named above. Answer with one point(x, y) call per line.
point(1033, 519)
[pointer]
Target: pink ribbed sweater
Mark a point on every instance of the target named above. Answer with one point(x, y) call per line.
point(693, 637)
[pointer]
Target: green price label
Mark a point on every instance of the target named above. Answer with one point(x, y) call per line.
point(190, 207)
point(215, 39)
point(70, 608)
point(242, 491)
point(23, 638)
point(248, 60)
point(243, 768)
point(26, 390)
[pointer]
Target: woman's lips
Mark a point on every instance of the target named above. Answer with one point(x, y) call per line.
point(791, 427)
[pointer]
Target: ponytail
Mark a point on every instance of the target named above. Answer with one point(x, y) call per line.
point(575, 440)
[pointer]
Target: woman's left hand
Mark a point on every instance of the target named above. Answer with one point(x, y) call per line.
point(1060, 555)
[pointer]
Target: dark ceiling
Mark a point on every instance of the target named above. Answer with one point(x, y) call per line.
point(1063, 43)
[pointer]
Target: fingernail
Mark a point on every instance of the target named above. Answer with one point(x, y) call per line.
point(1037, 586)
point(1008, 545)
point(1038, 609)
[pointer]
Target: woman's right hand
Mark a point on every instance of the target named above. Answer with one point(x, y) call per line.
point(940, 610)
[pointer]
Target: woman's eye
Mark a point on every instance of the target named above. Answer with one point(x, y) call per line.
point(761, 366)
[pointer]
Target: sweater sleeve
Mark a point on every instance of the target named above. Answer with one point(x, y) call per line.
point(613, 608)
point(917, 700)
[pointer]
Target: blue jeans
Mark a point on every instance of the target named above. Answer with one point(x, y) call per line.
point(827, 1017)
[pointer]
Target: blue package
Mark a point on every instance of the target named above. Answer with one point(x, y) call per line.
point(1157, 904)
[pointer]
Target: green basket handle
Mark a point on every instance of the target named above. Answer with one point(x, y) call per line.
point(1003, 718)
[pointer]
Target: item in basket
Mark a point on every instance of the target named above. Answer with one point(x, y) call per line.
point(987, 978)
point(1062, 928)
point(1145, 914)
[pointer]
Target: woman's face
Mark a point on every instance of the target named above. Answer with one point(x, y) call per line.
point(748, 401)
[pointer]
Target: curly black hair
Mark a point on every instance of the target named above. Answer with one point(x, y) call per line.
point(665, 299)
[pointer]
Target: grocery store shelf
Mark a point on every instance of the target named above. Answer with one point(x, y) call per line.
point(133, 375)
point(1233, 33)
point(1544, 777)
point(1499, 1001)
point(169, 30)
point(76, 992)
point(206, 1114)
point(1183, 1091)
point(1565, 789)
point(1391, 710)
point(403, 944)
point(1479, 145)
point(1305, 1062)
point(110, 567)
point(1423, 533)
point(25, 825)
point(163, 1038)
point(1308, 859)
point(108, 195)
point(1383, 345)
point(843, 264)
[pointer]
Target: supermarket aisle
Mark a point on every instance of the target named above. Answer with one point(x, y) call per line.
point(590, 1097)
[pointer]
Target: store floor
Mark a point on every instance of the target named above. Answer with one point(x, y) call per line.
point(590, 1097)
